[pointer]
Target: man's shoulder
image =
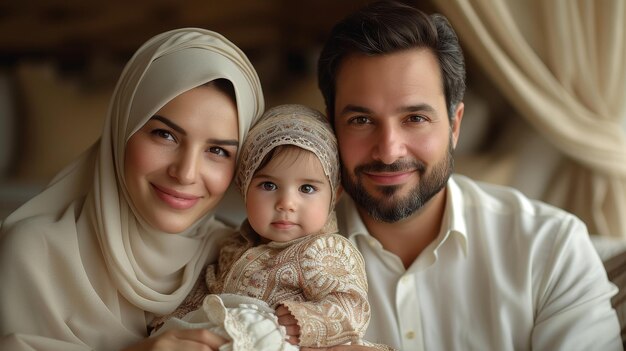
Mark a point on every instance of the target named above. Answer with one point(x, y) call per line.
point(503, 209)
point(500, 199)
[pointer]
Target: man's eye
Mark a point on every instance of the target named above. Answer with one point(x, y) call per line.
point(308, 189)
point(359, 120)
point(269, 186)
point(416, 118)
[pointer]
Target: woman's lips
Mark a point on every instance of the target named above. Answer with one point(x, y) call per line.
point(175, 199)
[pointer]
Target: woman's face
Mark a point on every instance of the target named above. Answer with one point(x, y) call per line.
point(180, 163)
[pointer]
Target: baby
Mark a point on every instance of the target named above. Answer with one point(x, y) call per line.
point(288, 277)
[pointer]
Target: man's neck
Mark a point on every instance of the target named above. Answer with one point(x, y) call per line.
point(408, 237)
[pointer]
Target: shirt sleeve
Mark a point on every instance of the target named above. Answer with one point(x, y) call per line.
point(336, 310)
point(573, 305)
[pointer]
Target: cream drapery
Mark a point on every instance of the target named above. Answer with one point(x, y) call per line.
point(562, 65)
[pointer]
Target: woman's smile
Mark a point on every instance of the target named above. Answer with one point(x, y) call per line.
point(175, 199)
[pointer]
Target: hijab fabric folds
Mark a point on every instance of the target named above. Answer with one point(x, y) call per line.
point(78, 269)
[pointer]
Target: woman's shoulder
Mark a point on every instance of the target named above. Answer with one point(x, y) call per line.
point(33, 235)
point(26, 231)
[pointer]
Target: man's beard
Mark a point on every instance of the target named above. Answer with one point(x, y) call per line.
point(391, 207)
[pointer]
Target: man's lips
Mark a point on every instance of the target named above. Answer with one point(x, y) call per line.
point(283, 224)
point(175, 199)
point(389, 178)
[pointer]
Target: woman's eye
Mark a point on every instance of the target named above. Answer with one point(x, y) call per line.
point(308, 189)
point(269, 186)
point(164, 134)
point(219, 151)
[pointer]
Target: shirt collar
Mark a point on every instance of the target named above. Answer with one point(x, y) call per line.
point(453, 226)
point(453, 223)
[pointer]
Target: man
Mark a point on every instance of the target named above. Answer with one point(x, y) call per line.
point(452, 264)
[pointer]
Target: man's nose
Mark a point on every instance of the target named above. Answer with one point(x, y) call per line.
point(390, 144)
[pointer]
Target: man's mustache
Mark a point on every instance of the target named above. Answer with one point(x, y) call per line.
point(398, 166)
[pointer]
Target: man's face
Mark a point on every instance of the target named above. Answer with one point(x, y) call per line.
point(395, 138)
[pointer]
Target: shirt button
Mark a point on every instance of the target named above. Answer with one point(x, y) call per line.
point(371, 242)
point(410, 335)
point(405, 279)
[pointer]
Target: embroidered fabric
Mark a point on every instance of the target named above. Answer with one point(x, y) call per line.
point(322, 321)
point(320, 278)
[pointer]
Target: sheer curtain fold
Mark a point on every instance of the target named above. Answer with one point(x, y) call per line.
point(562, 64)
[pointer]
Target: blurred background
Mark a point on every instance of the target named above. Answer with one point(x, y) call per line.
point(545, 108)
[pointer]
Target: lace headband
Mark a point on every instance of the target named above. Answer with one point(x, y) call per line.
point(295, 125)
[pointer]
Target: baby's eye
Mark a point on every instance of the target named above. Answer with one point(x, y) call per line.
point(308, 189)
point(219, 151)
point(269, 186)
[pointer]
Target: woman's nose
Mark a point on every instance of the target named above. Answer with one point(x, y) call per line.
point(185, 168)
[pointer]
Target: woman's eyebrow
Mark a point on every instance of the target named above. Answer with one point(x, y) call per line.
point(176, 127)
point(170, 124)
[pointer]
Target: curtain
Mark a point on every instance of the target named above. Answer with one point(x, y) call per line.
point(562, 65)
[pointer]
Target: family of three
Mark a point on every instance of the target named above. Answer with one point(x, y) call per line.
point(123, 250)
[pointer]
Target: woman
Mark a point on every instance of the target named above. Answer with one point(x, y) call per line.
point(120, 236)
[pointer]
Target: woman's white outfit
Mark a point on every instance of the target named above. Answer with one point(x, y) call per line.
point(79, 270)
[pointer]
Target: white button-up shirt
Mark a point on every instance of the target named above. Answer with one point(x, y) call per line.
point(504, 273)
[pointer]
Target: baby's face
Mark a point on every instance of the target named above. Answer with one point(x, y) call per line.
point(290, 197)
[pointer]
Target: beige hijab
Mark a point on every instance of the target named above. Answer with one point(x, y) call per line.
point(76, 264)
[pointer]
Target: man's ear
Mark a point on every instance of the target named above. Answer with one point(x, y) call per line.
point(456, 123)
point(338, 194)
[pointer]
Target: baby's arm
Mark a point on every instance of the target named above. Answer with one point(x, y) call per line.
point(332, 277)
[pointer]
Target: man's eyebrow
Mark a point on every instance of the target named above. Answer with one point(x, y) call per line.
point(408, 108)
point(170, 124)
point(417, 108)
point(354, 108)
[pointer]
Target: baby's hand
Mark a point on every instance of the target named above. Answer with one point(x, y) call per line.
point(286, 319)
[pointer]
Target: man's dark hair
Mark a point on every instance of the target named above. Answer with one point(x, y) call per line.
point(385, 27)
